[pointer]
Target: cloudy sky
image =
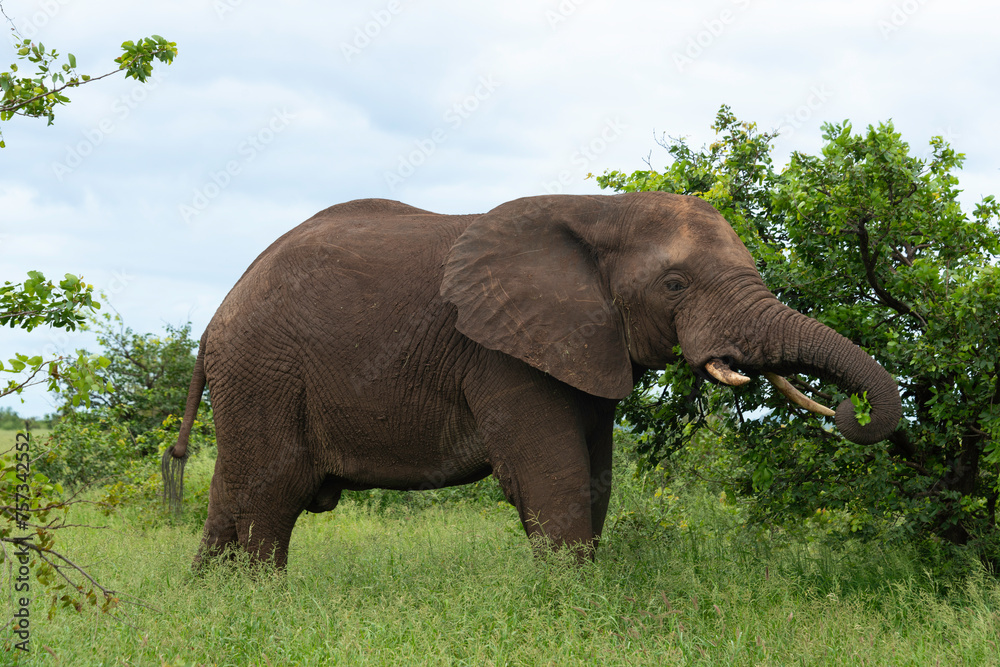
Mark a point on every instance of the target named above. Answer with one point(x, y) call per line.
point(161, 194)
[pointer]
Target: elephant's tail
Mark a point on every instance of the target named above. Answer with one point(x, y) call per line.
point(172, 464)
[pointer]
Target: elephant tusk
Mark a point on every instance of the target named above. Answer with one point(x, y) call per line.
point(724, 374)
point(797, 397)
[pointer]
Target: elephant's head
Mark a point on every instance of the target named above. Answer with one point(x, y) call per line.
point(584, 287)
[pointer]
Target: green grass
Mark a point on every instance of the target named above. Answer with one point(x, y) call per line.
point(8, 437)
point(456, 584)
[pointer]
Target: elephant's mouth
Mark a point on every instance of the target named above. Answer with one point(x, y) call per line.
point(721, 371)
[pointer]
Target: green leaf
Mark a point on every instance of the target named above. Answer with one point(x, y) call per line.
point(862, 408)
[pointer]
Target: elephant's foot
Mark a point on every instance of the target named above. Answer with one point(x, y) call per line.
point(545, 549)
point(214, 554)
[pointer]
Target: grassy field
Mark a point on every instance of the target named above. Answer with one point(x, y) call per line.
point(456, 584)
point(7, 437)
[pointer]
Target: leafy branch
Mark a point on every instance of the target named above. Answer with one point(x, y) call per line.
point(38, 301)
point(37, 96)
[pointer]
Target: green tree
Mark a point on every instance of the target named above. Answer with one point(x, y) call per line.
point(150, 373)
point(103, 442)
point(872, 241)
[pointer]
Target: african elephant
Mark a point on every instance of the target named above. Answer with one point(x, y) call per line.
point(380, 345)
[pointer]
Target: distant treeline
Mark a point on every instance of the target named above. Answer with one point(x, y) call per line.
point(10, 420)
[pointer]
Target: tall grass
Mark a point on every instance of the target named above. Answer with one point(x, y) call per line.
point(455, 583)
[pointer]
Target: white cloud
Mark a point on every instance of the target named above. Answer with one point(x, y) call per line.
point(565, 69)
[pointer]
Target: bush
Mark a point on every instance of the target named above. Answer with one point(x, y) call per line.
point(870, 240)
point(119, 438)
point(97, 447)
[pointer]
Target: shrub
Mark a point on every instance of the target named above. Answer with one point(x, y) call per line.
point(871, 240)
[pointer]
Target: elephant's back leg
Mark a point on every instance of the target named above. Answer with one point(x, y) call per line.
point(219, 534)
point(265, 475)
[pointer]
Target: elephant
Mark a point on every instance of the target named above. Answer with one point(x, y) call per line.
point(378, 345)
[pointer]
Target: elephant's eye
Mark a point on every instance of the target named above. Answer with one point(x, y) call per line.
point(674, 286)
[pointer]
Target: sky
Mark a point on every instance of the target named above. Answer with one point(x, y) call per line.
point(161, 194)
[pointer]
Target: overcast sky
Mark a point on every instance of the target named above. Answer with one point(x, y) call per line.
point(162, 194)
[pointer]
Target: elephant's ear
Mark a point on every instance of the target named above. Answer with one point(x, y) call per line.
point(526, 280)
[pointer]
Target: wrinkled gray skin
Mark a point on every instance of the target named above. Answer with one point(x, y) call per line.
point(379, 345)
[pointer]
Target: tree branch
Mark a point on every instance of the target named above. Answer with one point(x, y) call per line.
point(73, 83)
point(17, 388)
point(58, 566)
point(869, 263)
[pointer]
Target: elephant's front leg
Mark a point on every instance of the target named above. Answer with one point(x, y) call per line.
point(552, 499)
point(600, 441)
point(538, 449)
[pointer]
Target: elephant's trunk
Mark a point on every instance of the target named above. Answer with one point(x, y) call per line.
point(795, 343)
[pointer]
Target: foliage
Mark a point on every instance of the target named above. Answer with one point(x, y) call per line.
point(37, 302)
point(26, 499)
point(31, 503)
point(870, 240)
point(150, 374)
point(98, 447)
point(37, 95)
point(29, 500)
point(135, 484)
point(119, 439)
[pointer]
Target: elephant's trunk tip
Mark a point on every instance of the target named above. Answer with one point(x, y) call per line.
point(885, 417)
point(800, 344)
